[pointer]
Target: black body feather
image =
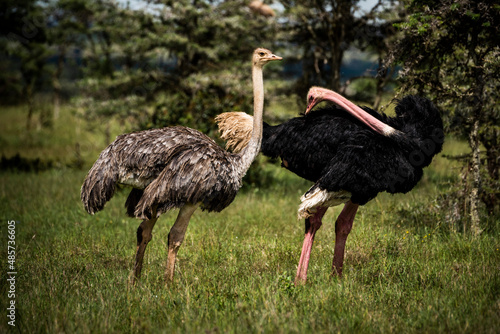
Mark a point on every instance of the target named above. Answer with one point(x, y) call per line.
point(336, 151)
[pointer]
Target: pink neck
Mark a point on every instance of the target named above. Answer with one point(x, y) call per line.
point(375, 124)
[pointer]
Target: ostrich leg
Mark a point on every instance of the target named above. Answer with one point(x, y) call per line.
point(175, 238)
point(312, 225)
point(144, 236)
point(343, 226)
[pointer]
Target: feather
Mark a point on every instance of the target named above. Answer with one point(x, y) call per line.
point(172, 161)
point(235, 128)
point(338, 152)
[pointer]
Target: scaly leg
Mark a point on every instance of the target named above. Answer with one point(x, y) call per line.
point(175, 238)
point(312, 225)
point(144, 236)
point(343, 226)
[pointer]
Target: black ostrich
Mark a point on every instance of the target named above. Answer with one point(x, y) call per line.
point(351, 154)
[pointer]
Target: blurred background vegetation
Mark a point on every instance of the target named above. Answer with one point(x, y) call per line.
point(94, 69)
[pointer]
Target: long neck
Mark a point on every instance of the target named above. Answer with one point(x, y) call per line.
point(249, 153)
point(372, 122)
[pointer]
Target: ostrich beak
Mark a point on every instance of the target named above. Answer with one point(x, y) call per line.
point(274, 57)
point(312, 102)
point(314, 97)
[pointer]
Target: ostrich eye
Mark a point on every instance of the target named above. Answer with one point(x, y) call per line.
point(262, 54)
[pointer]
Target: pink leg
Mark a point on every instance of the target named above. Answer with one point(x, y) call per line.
point(312, 225)
point(343, 226)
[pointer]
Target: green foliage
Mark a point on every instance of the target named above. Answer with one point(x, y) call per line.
point(204, 99)
point(179, 62)
point(450, 52)
point(24, 50)
point(363, 90)
point(448, 55)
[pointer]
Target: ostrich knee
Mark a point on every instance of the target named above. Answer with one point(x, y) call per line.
point(143, 236)
point(343, 227)
point(176, 237)
point(174, 243)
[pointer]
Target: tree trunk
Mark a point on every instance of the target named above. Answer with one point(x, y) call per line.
point(490, 139)
point(476, 179)
point(476, 102)
point(382, 81)
point(336, 61)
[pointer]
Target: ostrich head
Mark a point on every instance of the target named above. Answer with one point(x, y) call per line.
point(262, 56)
point(315, 96)
point(318, 94)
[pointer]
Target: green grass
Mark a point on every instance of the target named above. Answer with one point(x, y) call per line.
point(406, 269)
point(56, 144)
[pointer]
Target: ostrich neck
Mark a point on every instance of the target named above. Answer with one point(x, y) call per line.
point(372, 122)
point(249, 153)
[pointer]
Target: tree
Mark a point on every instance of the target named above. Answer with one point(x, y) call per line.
point(450, 52)
point(176, 62)
point(24, 42)
point(325, 30)
point(67, 21)
point(375, 35)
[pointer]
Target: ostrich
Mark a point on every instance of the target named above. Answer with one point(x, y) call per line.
point(258, 7)
point(174, 167)
point(351, 154)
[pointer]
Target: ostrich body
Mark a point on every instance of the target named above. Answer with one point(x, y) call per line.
point(350, 153)
point(174, 167)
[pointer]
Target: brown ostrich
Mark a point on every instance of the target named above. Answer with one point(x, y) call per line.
point(174, 167)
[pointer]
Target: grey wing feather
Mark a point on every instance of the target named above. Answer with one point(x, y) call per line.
point(202, 174)
point(100, 183)
point(142, 159)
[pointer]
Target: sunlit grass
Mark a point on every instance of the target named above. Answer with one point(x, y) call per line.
point(406, 269)
point(236, 268)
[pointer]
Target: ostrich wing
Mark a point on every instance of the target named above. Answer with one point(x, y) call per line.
point(307, 144)
point(198, 172)
point(137, 159)
point(142, 156)
point(365, 166)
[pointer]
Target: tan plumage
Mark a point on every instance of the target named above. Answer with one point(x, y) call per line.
point(174, 167)
point(235, 129)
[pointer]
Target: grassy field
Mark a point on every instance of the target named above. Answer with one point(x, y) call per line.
point(406, 268)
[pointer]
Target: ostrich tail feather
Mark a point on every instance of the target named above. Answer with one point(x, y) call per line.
point(236, 129)
point(99, 186)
